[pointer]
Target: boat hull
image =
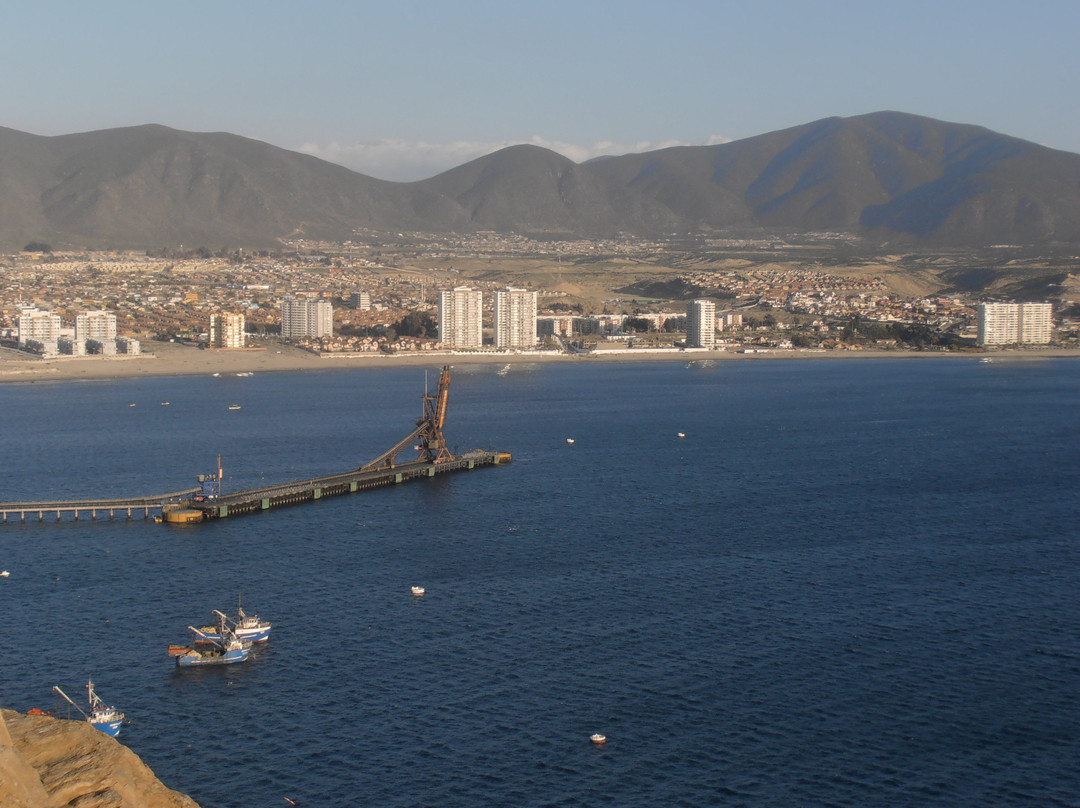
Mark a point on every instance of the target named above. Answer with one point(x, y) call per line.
point(110, 728)
point(197, 658)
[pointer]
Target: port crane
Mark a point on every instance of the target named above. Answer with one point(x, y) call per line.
point(427, 439)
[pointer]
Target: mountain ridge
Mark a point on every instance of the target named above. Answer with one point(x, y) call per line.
point(885, 177)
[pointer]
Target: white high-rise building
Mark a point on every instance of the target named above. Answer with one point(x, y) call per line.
point(1036, 325)
point(306, 318)
point(515, 319)
point(1009, 323)
point(701, 324)
point(39, 330)
point(95, 325)
point(227, 330)
point(460, 318)
point(998, 323)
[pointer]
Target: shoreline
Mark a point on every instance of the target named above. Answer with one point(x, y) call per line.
point(168, 359)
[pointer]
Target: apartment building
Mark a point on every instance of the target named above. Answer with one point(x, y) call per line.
point(95, 325)
point(1010, 323)
point(701, 324)
point(515, 319)
point(460, 318)
point(39, 331)
point(306, 318)
point(227, 330)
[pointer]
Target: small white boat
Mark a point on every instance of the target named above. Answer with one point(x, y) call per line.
point(164, 403)
point(4, 574)
point(418, 590)
point(569, 440)
point(681, 434)
point(597, 738)
point(234, 406)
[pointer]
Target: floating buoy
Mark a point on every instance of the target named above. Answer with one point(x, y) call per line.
point(597, 738)
point(418, 590)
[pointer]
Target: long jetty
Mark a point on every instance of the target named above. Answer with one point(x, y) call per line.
point(208, 502)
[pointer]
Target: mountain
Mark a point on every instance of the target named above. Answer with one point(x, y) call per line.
point(886, 176)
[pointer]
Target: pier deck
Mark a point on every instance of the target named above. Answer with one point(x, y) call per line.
point(276, 496)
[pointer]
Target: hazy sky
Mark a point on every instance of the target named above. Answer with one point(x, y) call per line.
point(402, 90)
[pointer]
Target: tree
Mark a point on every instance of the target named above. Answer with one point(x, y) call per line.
point(416, 324)
point(38, 247)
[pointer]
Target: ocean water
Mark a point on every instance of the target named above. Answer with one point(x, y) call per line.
point(852, 583)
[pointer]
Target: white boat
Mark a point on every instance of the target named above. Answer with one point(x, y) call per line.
point(418, 590)
point(234, 406)
point(4, 574)
point(569, 440)
point(681, 434)
point(597, 738)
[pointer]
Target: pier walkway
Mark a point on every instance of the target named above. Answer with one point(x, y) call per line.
point(150, 506)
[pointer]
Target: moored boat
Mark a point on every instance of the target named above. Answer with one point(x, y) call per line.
point(220, 652)
point(246, 627)
point(101, 716)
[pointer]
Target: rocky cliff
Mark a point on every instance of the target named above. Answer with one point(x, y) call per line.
point(50, 762)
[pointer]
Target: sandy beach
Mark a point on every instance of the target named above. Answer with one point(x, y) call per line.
point(170, 359)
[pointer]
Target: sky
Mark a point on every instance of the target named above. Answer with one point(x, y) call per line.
point(404, 90)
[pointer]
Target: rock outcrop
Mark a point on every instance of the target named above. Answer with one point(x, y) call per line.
point(48, 762)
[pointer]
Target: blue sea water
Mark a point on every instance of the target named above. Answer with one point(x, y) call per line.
point(852, 583)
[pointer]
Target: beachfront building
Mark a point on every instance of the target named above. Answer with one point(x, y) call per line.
point(39, 331)
point(515, 319)
point(729, 320)
point(306, 318)
point(227, 330)
point(460, 324)
point(1036, 324)
point(1011, 323)
point(95, 325)
point(701, 324)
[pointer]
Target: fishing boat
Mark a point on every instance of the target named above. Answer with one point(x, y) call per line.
point(101, 716)
point(246, 627)
point(220, 652)
point(418, 590)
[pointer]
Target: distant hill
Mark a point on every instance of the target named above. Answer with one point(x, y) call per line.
point(886, 176)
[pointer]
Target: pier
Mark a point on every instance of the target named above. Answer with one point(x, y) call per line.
point(209, 502)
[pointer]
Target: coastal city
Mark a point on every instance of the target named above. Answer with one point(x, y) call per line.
point(421, 294)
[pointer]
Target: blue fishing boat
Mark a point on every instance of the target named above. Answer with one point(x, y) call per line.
point(225, 651)
point(246, 627)
point(102, 716)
